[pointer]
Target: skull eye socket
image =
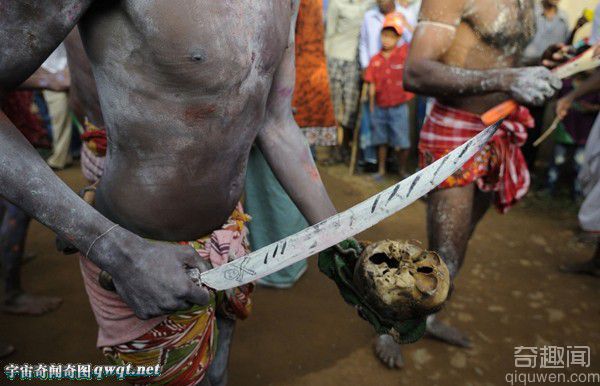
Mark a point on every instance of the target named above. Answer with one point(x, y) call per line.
point(425, 269)
point(381, 258)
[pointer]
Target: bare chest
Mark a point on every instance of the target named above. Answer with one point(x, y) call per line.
point(508, 25)
point(204, 45)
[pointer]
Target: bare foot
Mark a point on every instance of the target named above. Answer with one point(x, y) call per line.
point(589, 267)
point(6, 349)
point(25, 304)
point(446, 333)
point(388, 351)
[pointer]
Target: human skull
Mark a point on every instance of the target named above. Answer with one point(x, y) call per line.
point(401, 280)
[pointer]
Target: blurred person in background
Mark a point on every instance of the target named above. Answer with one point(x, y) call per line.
point(344, 19)
point(552, 28)
point(387, 97)
point(58, 108)
point(589, 176)
point(571, 136)
point(368, 47)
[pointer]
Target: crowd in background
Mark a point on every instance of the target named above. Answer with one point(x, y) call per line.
point(353, 39)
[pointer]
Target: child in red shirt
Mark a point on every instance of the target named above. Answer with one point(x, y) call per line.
point(387, 96)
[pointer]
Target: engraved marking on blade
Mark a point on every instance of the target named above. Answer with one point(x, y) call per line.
point(412, 186)
point(375, 203)
point(438, 170)
point(236, 272)
point(393, 194)
point(462, 153)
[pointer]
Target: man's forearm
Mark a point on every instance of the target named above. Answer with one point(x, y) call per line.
point(290, 159)
point(29, 183)
point(436, 79)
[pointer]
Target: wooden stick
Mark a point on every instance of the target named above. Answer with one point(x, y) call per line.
point(356, 133)
point(584, 62)
point(547, 133)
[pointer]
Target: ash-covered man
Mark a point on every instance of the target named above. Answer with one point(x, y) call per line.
point(185, 90)
point(552, 28)
point(462, 53)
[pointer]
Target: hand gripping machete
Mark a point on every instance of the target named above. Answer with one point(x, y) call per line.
point(339, 227)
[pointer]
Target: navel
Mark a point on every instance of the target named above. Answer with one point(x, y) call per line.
point(198, 56)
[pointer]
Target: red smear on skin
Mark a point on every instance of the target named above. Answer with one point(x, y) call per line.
point(313, 173)
point(197, 113)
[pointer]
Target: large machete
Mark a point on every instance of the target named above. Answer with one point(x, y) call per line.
point(341, 226)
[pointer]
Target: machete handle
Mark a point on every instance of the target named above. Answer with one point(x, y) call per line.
point(499, 112)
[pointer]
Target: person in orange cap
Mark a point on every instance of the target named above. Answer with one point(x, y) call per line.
point(387, 97)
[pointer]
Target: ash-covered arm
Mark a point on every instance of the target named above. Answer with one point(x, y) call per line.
point(285, 147)
point(29, 32)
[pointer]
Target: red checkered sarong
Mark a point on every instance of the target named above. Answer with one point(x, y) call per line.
point(500, 167)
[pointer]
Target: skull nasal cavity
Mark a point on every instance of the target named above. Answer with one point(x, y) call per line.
point(425, 269)
point(380, 258)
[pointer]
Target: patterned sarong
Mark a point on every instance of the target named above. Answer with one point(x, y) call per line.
point(94, 138)
point(93, 151)
point(344, 84)
point(185, 343)
point(500, 167)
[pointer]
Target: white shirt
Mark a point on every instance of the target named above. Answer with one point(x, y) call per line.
point(370, 32)
point(344, 18)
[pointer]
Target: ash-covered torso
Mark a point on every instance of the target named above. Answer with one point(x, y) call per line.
point(491, 34)
point(183, 88)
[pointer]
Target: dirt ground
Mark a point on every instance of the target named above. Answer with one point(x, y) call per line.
point(509, 293)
